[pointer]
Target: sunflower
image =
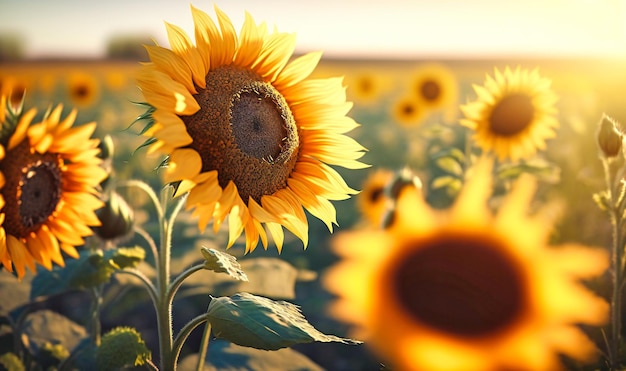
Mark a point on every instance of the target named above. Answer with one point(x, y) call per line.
point(14, 88)
point(83, 89)
point(434, 86)
point(49, 172)
point(467, 289)
point(372, 202)
point(514, 115)
point(247, 133)
point(408, 111)
point(366, 86)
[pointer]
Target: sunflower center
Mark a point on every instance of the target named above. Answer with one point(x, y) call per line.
point(512, 115)
point(32, 191)
point(376, 194)
point(461, 285)
point(81, 91)
point(258, 127)
point(41, 192)
point(245, 130)
point(430, 90)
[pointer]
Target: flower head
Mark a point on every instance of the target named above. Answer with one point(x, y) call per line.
point(247, 133)
point(514, 114)
point(49, 174)
point(464, 289)
point(434, 86)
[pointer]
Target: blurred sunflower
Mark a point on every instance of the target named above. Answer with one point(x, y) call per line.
point(366, 86)
point(248, 134)
point(49, 173)
point(465, 289)
point(514, 114)
point(408, 111)
point(83, 89)
point(435, 86)
point(372, 202)
point(13, 88)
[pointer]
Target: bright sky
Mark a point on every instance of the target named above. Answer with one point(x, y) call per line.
point(353, 28)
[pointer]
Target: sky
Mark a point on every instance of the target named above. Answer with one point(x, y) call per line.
point(340, 28)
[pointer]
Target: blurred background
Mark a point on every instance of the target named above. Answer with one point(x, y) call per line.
point(85, 54)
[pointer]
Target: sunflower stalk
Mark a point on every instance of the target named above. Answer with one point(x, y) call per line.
point(617, 265)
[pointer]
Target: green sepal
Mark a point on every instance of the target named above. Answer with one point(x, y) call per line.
point(13, 114)
point(92, 268)
point(258, 322)
point(222, 262)
point(121, 347)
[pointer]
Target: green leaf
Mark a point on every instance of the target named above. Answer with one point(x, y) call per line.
point(122, 347)
point(450, 165)
point(602, 199)
point(453, 152)
point(542, 169)
point(258, 322)
point(90, 269)
point(11, 362)
point(443, 181)
point(222, 262)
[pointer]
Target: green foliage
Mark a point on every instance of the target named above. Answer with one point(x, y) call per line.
point(222, 262)
point(261, 323)
point(11, 362)
point(542, 169)
point(122, 347)
point(92, 268)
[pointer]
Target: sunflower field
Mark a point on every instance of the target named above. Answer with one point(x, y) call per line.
point(223, 203)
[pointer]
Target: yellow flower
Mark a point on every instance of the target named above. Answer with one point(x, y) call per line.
point(366, 86)
point(514, 114)
point(408, 111)
point(49, 172)
point(83, 89)
point(467, 289)
point(247, 133)
point(434, 86)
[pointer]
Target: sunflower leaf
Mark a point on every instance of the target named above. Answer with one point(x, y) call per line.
point(258, 322)
point(90, 269)
point(222, 262)
point(542, 169)
point(450, 165)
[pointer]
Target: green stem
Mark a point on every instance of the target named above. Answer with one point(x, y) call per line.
point(95, 314)
point(164, 307)
point(185, 331)
point(148, 190)
point(152, 291)
point(204, 345)
point(180, 278)
point(616, 267)
point(146, 236)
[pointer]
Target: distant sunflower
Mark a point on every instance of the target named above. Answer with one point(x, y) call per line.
point(372, 202)
point(465, 289)
point(435, 86)
point(407, 111)
point(13, 88)
point(514, 115)
point(366, 86)
point(49, 173)
point(248, 134)
point(83, 89)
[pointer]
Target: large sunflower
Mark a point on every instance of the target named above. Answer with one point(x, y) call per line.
point(465, 289)
point(514, 114)
point(49, 172)
point(247, 133)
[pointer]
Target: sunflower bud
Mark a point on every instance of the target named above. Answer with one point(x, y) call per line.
point(116, 216)
point(609, 137)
